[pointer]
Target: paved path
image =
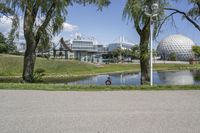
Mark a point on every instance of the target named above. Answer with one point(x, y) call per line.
point(100, 112)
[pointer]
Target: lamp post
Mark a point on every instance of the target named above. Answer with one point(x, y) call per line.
point(151, 12)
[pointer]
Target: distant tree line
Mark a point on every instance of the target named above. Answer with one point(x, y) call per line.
point(196, 51)
point(4, 45)
point(122, 54)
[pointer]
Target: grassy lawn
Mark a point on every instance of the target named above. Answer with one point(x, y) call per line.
point(12, 66)
point(63, 87)
point(58, 71)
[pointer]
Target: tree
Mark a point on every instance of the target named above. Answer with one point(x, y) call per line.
point(192, 16)
point(196, 51)
point(9, 13)
point(2, 38)
point(116, 53)
point(134, 11)
point(45, 47)
point(3, 46)
point(135, 52)
point(194, 12)
point(42, 20)
point(155, 53)
point(172, 57)
point(127, 53)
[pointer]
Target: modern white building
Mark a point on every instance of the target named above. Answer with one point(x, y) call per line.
point(121, 44)
point(83, 49)
point(177, 44)
point(88, 49)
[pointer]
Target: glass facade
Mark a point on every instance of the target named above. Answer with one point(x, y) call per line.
point(84, 45)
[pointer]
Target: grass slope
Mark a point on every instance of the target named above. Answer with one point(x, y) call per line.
point(12, 66)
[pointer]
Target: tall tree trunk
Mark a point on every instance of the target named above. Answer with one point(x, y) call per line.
point(144, 56)
point(30, 55)
point(29, 63)
point(32, 38)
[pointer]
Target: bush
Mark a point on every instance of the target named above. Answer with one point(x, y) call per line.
point(172, 57)
point(38, 75)
point(3, 48)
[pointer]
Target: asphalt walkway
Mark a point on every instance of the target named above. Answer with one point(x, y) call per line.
point(100, 112)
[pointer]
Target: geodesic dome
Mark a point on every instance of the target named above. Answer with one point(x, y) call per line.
point(180, 45)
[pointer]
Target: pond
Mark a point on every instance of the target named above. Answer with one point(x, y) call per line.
point(188, 77)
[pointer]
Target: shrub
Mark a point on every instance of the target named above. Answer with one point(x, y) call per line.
point(3, 48)
point(38, 75)
point(172, 57)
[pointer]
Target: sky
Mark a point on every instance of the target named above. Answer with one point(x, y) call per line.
point(107, 25)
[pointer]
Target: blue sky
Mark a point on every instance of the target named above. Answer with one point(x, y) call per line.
point(107, 25)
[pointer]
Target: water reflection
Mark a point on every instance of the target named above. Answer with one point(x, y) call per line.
point(166, 78)
point(196, 74)
point(175, 78)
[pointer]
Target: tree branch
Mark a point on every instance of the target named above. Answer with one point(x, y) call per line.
point(5, 10)
point(165, 19)
point(35, 10)
point(146, 25)
point(136, 23)
point(45, 23)
point(186, 16)
point(198, 4)
point(137, 27)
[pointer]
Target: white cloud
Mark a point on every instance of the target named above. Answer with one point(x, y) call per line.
point(5, 25)
point(69, 27)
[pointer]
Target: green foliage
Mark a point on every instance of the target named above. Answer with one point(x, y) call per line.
point(60, 71)
point(7, 11)
point(172, 57)
point(135, 52)
point(3, 48)
point(194, 12)
point(42, 21)
point(154, 53)
point(127, 53)
point(12, 66)
point(38, 75)
point(52, 14)
point(44, 47)
point(116, 53)
point(3, 45)
point(134, 11)
point(192, 15)
point(2, 38)
point(196, 50)
point(99, 3)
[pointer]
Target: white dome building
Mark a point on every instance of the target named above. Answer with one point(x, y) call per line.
point(180, 45)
